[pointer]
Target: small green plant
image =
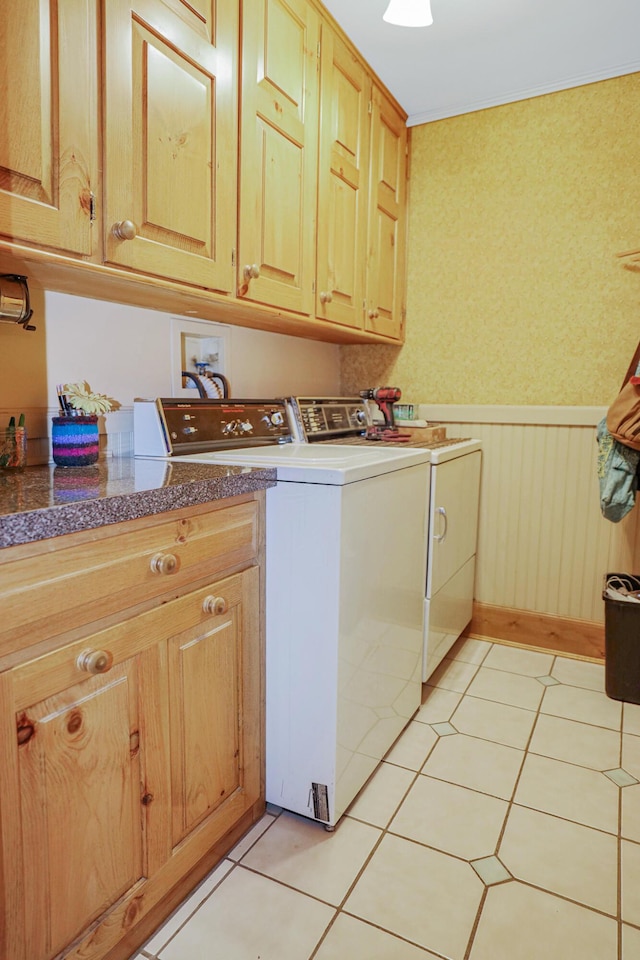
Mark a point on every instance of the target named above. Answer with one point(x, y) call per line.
point(80, 397)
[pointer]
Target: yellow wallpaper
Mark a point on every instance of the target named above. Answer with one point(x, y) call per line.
point(514, 294)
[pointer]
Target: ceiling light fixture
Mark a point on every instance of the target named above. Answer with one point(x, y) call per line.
point(409, 13)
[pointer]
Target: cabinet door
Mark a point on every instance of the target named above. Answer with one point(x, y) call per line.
point(343, 184)
point(453, 521)
point(278, 162)
point(170, 138)
point(48, 141)
point(214, 697)
point(72, 798)
point(387, 220)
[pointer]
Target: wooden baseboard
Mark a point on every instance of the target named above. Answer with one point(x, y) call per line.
point(577, 638)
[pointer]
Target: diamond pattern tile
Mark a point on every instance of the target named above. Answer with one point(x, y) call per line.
point(443, 729)
point(620, 777)
point(491, 870)
point(548, 681)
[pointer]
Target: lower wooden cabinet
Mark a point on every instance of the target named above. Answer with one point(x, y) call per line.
point(126, 756)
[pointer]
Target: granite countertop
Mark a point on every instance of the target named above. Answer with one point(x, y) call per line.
point(46, 501)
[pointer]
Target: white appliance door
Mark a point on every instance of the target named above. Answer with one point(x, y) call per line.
point(446, 614)
point(453, 522)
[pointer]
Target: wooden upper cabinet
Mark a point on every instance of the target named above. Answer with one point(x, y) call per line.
point(387, 219)
point(48, 123)
point(278, 153)
point(343, 183)
point(170, 142)
point(129, 138)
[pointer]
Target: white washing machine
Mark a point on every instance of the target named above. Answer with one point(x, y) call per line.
point(346, 529)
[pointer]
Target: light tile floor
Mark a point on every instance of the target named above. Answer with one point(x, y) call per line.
point(504, 824)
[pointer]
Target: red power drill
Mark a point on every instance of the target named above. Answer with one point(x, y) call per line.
point(385, 397)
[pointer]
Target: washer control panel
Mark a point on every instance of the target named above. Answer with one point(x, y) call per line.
point(193, 426)
point(329, 417)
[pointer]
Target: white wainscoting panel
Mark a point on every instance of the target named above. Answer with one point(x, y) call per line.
point(543, 544)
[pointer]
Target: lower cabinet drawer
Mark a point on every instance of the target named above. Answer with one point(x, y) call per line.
point(70, 583)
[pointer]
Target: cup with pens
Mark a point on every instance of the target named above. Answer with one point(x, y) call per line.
point(74, 434)
point(13, 445)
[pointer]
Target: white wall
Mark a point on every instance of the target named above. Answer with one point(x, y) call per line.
point(126, 352)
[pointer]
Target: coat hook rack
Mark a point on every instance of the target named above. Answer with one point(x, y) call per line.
point(15, 306)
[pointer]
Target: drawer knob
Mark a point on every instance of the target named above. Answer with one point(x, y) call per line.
point(326, 297)
point(373, 314)
point(95, 661)
point(251, 272)
point(165, 563)
point(215, 605)
point(124, 230)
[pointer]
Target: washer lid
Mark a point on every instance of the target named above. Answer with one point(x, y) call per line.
point(306, 463)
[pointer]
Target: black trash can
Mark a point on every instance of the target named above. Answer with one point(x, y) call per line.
point(621, 638)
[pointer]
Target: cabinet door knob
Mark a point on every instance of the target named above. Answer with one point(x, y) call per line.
point(251, 272)
point(373, 314)
point(215, 605)
point(165, 563)
point(326, 297)
point(95, 661)
point(124, 230)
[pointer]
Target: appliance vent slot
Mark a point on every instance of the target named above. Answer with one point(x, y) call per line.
point(320, 794)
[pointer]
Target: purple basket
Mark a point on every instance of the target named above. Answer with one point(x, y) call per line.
point(74, 441)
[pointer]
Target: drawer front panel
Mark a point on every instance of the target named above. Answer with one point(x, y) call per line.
point(51, 593)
